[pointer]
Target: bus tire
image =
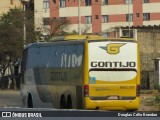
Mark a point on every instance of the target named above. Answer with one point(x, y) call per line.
point(133, 110)
point(62, 102)
point(30, 102)
point(69, 102)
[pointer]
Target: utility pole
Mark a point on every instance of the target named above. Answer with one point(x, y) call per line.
point(129, 18)
point(24, 25)
point(79, 17)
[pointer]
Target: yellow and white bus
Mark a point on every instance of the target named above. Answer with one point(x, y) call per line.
point(81, 72)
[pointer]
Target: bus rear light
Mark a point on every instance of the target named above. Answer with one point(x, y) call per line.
point(138, 91)
point(86, 90)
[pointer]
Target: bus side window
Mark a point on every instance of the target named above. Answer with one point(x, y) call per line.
point(77, 55)
point(80, 50)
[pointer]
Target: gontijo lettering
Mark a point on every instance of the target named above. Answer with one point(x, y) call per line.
point(115, 64)
point(58, 76)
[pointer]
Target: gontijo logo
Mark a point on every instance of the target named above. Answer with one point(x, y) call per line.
point(113, 48)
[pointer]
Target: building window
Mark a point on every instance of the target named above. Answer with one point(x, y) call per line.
point(104, 2)
point(145, 1)
point(45, 4)
point(146, 16)
point(129, 17)
point(128, 33)
point(104, 18)
point(54, 1)
point(88, 19)
point(63, 19)
point(96, 16)
point(96, 0)
point(62, 3)
point(137, 14)
point(46, 21)
point(129, 1)
point(156, 64)
point(88, 2)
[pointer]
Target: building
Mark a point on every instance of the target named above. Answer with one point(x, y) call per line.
point(103, 15)
point(7, 4)
point(42, 16)
point(41, 9)
point(148, 38)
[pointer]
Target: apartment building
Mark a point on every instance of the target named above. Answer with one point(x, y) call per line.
point(42, 16)
point(5, 5)
point(104, 15)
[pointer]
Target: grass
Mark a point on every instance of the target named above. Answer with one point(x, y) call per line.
point(148, 91)
point(154, 99)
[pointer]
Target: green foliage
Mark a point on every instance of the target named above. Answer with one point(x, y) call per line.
point(157, 99)
point(157, 96)
point(157, 87)
point(12, 34)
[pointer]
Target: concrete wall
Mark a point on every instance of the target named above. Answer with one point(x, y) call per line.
point(149, 42)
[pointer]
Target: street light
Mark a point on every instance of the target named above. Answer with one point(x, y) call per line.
point(129, 18)
point(24, 25)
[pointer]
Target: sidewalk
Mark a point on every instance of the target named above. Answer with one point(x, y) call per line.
point(9, 92)
point(10, 98)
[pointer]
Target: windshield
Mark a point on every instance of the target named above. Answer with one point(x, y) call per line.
point(112, 61)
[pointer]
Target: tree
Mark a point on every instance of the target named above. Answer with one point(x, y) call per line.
point(31, 34)
point(11, 41)
point(11, 36)
point(58, 26)
point(84, 30)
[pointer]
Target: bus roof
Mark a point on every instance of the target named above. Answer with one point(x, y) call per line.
point(86, 37)
point(77, 38)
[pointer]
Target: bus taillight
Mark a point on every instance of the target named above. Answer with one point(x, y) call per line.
point(138, 91)
point(86, 90)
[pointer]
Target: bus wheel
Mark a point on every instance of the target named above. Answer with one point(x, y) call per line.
point(62, 102)
point(30, 103)
point(134, 110)
point(69, 102)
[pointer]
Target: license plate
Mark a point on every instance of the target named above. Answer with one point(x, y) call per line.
point(113, 98)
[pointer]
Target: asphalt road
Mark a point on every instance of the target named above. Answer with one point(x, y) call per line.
point(10, 98)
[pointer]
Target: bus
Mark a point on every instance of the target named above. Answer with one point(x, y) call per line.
point(81, 72)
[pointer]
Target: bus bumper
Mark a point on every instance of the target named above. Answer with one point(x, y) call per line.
point(112, 104)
